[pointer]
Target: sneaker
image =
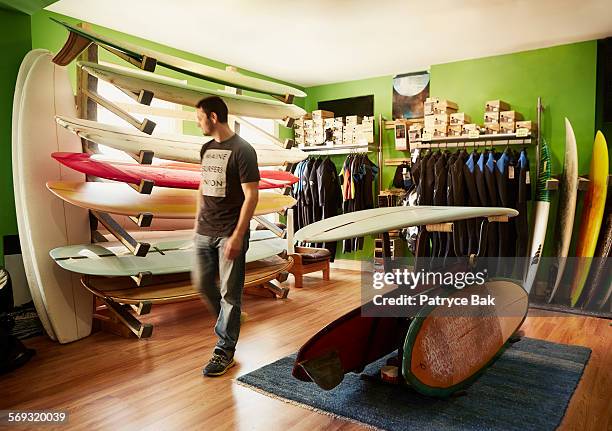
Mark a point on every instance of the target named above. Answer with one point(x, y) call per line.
point(218, 364)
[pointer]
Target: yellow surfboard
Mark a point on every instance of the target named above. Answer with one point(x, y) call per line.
point(592, 214)
point(120, 198)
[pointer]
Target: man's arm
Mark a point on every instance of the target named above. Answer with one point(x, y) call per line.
point(234, 244)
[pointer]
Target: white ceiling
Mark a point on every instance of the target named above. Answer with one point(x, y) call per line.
point(312, 42)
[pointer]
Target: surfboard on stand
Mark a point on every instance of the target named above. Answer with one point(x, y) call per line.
point(592, 214)
point(189, 95)
point(183, 148)
point(233, 79)
point(567, 208)
point(442, 351)
point(598, 289)
point(169, 254)
point(36, 294)
point(379, 220)
point(45, 222)
point(182, 176)
point(118, 198)
point(542, 208)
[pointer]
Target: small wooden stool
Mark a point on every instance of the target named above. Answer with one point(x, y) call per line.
point(307, 260)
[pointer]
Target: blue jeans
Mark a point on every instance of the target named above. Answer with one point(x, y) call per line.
point(220, 282)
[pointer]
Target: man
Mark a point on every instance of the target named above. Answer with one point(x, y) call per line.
point(226, 201)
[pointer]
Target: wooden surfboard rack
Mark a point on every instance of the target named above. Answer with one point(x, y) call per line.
point(122, 299)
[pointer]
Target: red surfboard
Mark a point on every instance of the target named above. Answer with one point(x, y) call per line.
point(172, 174)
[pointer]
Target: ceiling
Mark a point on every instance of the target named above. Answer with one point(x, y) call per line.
point(318, 42)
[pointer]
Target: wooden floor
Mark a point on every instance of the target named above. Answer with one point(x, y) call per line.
point(107, 382)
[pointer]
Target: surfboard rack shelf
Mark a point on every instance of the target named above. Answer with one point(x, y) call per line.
point(123, 314)
point(145, 187)
point(449, 226)
point(143, 279)
point(137, 248)
point(142, 220)
point(146, 126)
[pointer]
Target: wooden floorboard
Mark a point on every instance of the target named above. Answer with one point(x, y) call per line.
point(108, 382)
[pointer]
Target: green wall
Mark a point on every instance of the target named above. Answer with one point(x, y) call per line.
point(14, 44)
point(564, 76)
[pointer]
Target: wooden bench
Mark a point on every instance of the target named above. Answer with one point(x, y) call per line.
point(307, 260)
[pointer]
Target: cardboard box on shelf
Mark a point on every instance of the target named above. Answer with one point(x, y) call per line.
point(428, 108)
point(352, 120)
point(507, 127)
point(492, 128)
point(414, 135)
point(329, 123)
point(446, 110)
point(432, 99)
point(491, 117)
point(440, 131)
point(445, 107)
point(441, 119)
point(429, 120)
point(510, 116)
point(308, 125)
point(497, 106)
point(456, 130)
point(529, 125)
point(321, 114)
point(459, 118)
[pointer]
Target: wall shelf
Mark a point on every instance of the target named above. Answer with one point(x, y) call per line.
point(480, 140)
point(339, 149)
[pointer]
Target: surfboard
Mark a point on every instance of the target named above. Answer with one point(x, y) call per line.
point(45, 222)
point(182, 148)
point(124, 292)
point(198, 70)
point(182, 176)
point(592, 214)
point(35, 293)
point(567, 208)
point(170, 254)
point(448, 348)
point(542, 208)
point(444, 348)
point(189, 95)
point(118, 198)
point(347, 345)
point(378, 220)
point(598, 290)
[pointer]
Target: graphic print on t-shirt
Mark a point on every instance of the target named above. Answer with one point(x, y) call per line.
point(214, 170)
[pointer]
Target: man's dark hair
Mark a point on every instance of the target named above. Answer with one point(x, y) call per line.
point(214, 104)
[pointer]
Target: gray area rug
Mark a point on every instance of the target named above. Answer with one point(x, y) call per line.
point(528, 388)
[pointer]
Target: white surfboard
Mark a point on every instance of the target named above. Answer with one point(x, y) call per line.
point(542, 208)
point(379, 220)
point(567, 206)
point(189, 95)
point(198, 70)
point(24, 69)
point(182, 148)
point(168, 255)
point(44, 221)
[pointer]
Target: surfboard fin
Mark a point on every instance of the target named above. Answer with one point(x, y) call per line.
point(326, 370)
